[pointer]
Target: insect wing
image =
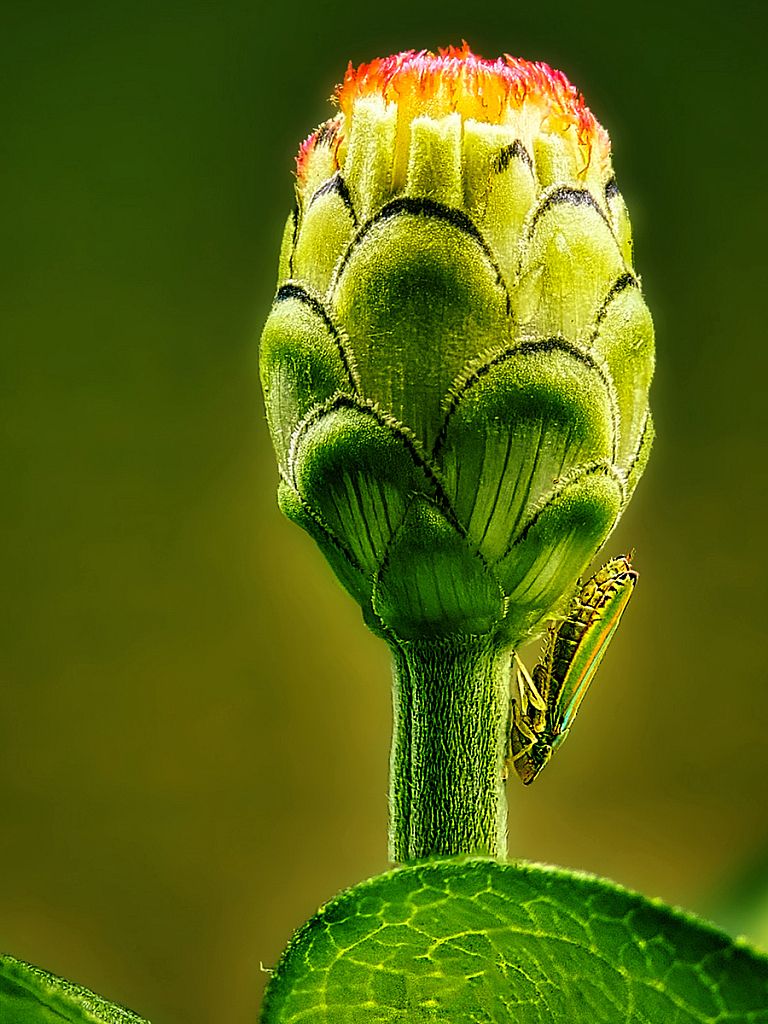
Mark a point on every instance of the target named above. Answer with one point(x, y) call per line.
point(593, 643)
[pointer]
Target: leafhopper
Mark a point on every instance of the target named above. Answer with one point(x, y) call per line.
point(547, 702)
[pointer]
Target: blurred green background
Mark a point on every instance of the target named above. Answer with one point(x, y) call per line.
point(195, 722)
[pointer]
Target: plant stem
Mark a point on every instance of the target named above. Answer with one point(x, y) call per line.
point(451, 722)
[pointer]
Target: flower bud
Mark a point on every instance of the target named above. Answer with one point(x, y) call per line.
point(457, 362)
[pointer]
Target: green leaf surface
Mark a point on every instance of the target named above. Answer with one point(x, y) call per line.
point(29, 995)
point(473, 941)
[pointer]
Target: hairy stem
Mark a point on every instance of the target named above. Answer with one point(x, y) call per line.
point(451, 722)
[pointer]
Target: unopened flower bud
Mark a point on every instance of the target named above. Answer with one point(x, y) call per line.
point(457, 362)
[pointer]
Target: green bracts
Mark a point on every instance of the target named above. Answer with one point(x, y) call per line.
point(456, 367)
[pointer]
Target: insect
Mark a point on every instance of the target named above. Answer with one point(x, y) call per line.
point(546, 704)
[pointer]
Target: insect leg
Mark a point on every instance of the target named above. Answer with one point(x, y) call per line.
point(520, 722)
point(527, 688)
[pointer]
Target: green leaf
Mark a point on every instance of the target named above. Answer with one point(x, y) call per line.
point(473, 941)
point(29, 995)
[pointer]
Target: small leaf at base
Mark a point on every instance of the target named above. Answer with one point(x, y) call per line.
point(30, 995)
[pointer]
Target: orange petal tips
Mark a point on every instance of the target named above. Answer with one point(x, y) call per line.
point(536, 103)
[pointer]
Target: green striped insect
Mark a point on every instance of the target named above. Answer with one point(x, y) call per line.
point(547, 704)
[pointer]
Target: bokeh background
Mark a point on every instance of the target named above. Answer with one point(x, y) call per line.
point(194, 722)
